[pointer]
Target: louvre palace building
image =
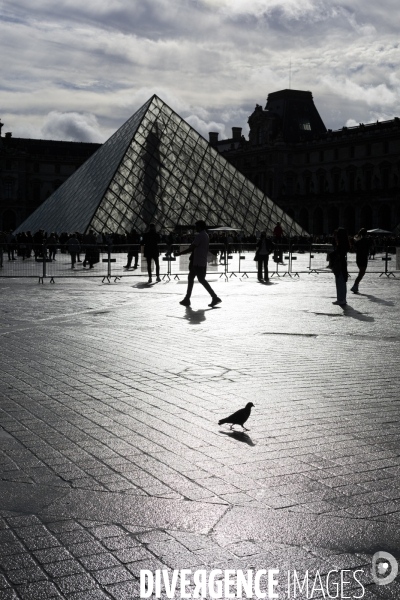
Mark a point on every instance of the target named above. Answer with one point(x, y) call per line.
point(320, 178)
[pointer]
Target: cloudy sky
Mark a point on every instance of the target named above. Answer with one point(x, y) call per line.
point(77, 69)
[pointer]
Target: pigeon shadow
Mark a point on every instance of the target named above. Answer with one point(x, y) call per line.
point(377, 300)
point(239, 436)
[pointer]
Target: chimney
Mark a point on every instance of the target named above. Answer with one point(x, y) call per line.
point(1, 126)
point(8, 134)
point(213, 138)
point(236, 133)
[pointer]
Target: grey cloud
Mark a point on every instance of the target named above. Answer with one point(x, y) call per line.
point(210, 61)
point(72, 127)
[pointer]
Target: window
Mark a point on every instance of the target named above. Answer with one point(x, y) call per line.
point(352, 181)
point(56, 168)
point(307, 157)
point(385, 147)
point(304, 124)
point(8, 189)
point(368, 150)
point(321, 156)
point(336, 154)
point(368, 180)
point(352, 151)
point(36, 167)
point(321, 183)
point(36, 191)
point(336, 182)
point(8, 165)
point(385, 178)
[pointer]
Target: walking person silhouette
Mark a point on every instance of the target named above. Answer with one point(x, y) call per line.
point(198, 264)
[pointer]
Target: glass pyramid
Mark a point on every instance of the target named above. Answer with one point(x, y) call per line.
point(156, 168)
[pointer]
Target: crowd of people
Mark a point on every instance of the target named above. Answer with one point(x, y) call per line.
point(85, 249)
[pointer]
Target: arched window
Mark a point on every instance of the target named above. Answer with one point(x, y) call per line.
point(366, 217)
point(9, 220)
point(350, 220)
point(307, 182)
point(333, 218)
point(321, 181)
point(318, 221)
point(303, 219)
point(36, 191)
point(384, 217)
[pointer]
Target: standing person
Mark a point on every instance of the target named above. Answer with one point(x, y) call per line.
point(52, 246)
point(3, 244)
point(10, 245)
point(341, 246)
point(363, 246)
point(264, 248)
point(198, 264)
point(151, 240)
point(73, 247)
point(278, 235)
point(132, 239)
point(92, 254)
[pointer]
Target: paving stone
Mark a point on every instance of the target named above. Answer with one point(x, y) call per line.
point(99, 561)
point(75, 583)
point(128, 555)
point(52, 555)
point(112, 575)
point(65, 567)
point(26, 575)
point(38, 591)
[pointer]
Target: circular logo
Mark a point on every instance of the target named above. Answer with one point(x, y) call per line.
point(384, 568)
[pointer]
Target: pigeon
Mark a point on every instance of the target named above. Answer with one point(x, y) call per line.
point(239, 417)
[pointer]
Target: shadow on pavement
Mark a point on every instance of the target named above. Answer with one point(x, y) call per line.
point(377, 300)
point(239, 436)
point(144, 284)
point(349, 311)
point(195, 317)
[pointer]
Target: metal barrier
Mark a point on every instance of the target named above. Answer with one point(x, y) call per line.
point(232, 260)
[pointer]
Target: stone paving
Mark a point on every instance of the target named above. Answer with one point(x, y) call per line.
point(112, 460)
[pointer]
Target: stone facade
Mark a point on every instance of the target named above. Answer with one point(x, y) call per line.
point(321, 178)
point(31, 170)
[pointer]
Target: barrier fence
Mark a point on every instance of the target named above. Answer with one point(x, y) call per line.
point(114, 262)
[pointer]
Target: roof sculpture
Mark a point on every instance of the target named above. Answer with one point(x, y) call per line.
point(157, 168)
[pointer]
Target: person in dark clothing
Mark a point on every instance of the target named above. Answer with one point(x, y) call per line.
point(11, 246)
point(363, 247)
point(132, 239)
point(342, 246)
point(92, 252)
point(52, 246)
point(73, 248)
point(198, 264)
point(3, 244)
point(278, 238)
point(151, 240)
point(38, 239)
point(264, 248)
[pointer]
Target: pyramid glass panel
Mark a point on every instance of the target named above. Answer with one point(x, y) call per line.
point(157, 168)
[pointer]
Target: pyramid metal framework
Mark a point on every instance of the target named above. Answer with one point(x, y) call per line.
point(157, 168)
